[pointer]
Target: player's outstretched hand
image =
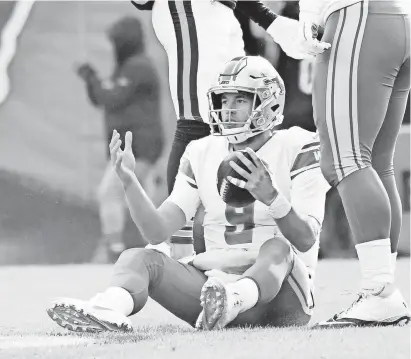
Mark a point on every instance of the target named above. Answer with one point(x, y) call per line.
point(258, 182)
point(298, 39)
point(123, 161)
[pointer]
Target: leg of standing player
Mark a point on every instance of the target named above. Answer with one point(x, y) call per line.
point(112, 212)
point(187, 130)
point(353, 84)
point(384, 148)
point(112, 217)
point(188, 91)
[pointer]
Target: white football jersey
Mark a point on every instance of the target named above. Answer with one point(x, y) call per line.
point(293, 158)
point(199, 36)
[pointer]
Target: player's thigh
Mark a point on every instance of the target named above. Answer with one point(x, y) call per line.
point(179, 289)
point(352, 87)
point(384, 146)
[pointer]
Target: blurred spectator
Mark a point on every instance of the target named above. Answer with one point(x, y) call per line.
point(130, 101)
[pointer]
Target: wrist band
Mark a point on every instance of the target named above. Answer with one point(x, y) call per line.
point(280, 207)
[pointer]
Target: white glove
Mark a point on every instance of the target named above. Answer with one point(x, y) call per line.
point(297, 38)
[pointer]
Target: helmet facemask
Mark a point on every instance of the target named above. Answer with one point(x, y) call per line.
point(265, 113)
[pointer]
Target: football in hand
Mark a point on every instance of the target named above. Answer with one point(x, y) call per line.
point(233, 195)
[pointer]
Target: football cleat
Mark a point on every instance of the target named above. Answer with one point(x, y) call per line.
point(369, 311)
point(87, 316)
point(220, 305)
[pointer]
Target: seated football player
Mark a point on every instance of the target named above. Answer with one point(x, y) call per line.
point(259, 260)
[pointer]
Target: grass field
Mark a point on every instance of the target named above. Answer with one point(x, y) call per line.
point(27, 332)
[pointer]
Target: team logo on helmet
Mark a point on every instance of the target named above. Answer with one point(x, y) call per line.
point(253, 75)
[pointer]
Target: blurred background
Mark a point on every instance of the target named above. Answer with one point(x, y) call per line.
point(53, 141)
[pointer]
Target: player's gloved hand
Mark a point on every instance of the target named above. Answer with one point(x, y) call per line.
point(225, 277)
point(308, 33)
point(296, 38)
point(86, 71)
point(123, 162)
point(258, 182)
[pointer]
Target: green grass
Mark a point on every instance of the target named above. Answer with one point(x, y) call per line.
point(27, 332)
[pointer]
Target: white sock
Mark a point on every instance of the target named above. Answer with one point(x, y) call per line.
point(248, 291)
point(118, 300)
point(393, 262)
point(375, 263)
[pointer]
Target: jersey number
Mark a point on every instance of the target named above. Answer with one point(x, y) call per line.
point(242, 224)
point(306, 73)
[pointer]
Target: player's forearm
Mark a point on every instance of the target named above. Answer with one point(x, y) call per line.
point(144, 214)
point(258, 12)
point(300, 230)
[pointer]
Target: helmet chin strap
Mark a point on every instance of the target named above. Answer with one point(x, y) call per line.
point(242, 137)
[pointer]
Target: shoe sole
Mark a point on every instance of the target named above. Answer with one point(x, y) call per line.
point(77, 320)
point(213, 300)
point(400, 322)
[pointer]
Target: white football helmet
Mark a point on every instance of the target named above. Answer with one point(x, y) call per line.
point(255, 75)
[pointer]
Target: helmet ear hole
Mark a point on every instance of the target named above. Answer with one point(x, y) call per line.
point(275, 107)
point(216, 101)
